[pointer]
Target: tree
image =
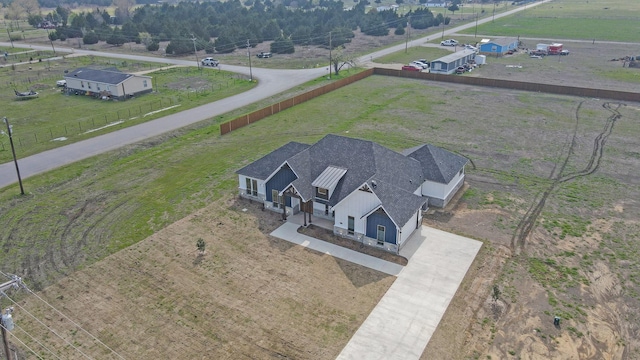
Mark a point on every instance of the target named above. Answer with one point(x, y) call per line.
point(90, 38)
point(116, 38)
point(35, 20)
point(453, 8)
point(27, 7)
point(200, 245)
point(399, 30)
point(496, 293)
point(282, 46)
point(64, 14)
point(339, 59)
point(123, 9)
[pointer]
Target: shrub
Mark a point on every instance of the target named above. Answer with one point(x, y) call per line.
point(90, 38)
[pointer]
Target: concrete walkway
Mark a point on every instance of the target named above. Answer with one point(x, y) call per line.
point(404, 320)
point(289, 232)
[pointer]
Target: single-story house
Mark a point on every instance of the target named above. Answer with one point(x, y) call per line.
point(449, 63)
point(370, 193)
point(107, 82)
point(436, 3)
point(498, 47)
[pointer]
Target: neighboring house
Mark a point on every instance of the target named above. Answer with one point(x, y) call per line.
point(107, 82)
point(498, 47)
point(436, 3)
point(448, 64)
point(371, 194)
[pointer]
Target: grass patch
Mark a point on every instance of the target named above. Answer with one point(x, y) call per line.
point(596, 19)
point(39, 124)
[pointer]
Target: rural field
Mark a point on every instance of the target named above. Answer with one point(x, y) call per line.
point(41, 124)
point(552, 192)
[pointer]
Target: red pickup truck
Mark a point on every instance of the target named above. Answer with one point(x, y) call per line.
point(410, 68)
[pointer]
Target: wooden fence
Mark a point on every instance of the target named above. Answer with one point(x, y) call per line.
point(260, 114)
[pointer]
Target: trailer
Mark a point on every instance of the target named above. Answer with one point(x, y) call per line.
point(555, 49)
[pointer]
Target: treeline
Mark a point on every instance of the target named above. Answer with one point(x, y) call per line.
point(222, 27)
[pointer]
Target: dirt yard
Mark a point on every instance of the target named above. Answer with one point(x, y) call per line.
point(248, 296)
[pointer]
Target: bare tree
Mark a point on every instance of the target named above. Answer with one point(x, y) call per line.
point(123, 9)
point(339, 59)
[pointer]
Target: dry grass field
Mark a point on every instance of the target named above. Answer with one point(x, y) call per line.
point(248, 296)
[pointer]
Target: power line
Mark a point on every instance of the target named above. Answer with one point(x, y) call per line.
point(47, 327)
point(73, 322)
point(36, 340)
point(23, 344)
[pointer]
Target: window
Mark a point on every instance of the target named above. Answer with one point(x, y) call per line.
point(322, 193)
point(254, 187)
point(98, 86)
point(144, 83)
point(351, 225)
point(276, 199)
point(248, 186)
point(89, 85)
point(82, 83)
point(380, 235)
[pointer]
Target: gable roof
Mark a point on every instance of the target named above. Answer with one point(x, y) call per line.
point(399, 204)
point(265, 166)
point(349, 163)
point(438, 165)
point(455, 56)
point(107, 76)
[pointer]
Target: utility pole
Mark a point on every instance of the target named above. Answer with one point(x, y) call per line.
point(443, 22)
point(7, 321)
point(406, 43)
point(330, 60)
point(494, 11)
point(15, 160)
point(54, 49)
point(195, 51)
point(10, 39)
point(249, 55)
point(476, 34)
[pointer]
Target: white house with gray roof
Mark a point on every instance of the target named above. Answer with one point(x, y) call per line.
point(111, 83)
point(371, 194)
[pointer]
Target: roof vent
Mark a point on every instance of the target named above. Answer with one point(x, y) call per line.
point(374, 184)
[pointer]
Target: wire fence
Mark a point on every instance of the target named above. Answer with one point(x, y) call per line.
point(134, 113)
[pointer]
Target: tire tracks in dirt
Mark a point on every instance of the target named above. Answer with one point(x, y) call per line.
point(529, 221)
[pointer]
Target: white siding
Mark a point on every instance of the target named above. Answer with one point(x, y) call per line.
point(356, 204)
point(242, 187)
point(441, 191)
point(135, 84)
point(409, 227)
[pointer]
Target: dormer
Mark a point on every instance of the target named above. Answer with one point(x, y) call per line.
point(327, 181)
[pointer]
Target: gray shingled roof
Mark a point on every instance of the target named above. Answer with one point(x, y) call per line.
point(399, 204)
point(265, 166)
point(106, 76)
point(438, 165)
point(396, 176)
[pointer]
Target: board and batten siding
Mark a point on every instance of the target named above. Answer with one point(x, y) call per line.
point(379, 217)
point(355, 204)
point(279, 181)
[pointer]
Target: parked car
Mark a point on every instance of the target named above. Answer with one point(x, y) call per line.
point(460, 70)
point(564, 52)
point(61, 83)
point(410, 68)
point(263, 55)
point(419, 64)
point(450, 42)
point(210, 62)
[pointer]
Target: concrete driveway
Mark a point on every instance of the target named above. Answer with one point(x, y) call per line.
point(404, 320)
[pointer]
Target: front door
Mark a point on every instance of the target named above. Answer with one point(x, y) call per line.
point(380, 235)
point(351, 225)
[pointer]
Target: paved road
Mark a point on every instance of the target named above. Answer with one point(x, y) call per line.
point(270, 82)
